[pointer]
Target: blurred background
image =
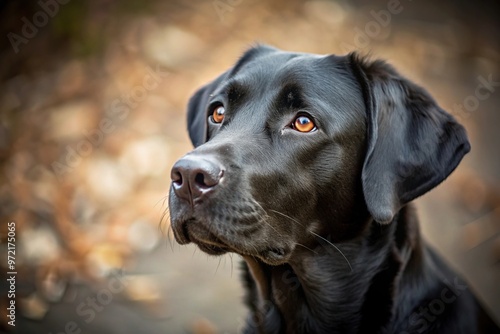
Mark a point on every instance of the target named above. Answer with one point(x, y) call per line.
point(92, 117)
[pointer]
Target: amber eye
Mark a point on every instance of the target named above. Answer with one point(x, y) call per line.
point(218, 114)
point(304, 124)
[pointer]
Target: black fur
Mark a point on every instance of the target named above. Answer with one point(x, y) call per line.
point(322, 219)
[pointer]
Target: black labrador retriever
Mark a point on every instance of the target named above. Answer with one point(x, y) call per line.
point(305, 166)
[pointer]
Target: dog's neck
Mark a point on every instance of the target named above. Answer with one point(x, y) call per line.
point(320, 284)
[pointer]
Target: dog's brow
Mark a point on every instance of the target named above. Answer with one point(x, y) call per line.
point(232, 89)
point(291, 96)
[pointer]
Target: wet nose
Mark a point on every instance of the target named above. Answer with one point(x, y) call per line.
point(195, 177)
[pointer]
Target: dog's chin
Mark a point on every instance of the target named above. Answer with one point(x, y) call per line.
point(210, 248)
point(208, 242)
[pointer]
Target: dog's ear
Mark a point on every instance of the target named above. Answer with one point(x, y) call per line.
point(197, 107)
point(412, 144)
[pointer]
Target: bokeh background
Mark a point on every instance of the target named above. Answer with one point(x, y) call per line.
point(92, 117)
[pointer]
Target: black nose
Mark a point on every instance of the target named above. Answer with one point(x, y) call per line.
point(194, 177)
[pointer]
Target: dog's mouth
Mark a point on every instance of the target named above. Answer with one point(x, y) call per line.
point(275, 255)
point(211, 243)
point(194, 231)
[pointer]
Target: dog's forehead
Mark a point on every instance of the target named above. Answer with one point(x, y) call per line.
point(265, 74)
point(279, 68)
point(326, 81)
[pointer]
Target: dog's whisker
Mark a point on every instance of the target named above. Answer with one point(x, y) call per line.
point(169, 238)
point(166, 213)
point(163, 219)
point(286, 216)
point(231, 256)
point(164, 198)
point(315, 234)
point(331, 243)
point(269, 224)
point(218, 265)
point(312, 250)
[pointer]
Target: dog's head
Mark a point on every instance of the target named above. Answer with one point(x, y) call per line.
point(292, 145)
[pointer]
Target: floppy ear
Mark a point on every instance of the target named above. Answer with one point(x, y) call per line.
point(197, 106)
point(412, 144)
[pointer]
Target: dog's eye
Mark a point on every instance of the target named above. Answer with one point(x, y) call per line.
point(218, 114)
point(303, 124)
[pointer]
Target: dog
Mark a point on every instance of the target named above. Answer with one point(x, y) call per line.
point(306, 166)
